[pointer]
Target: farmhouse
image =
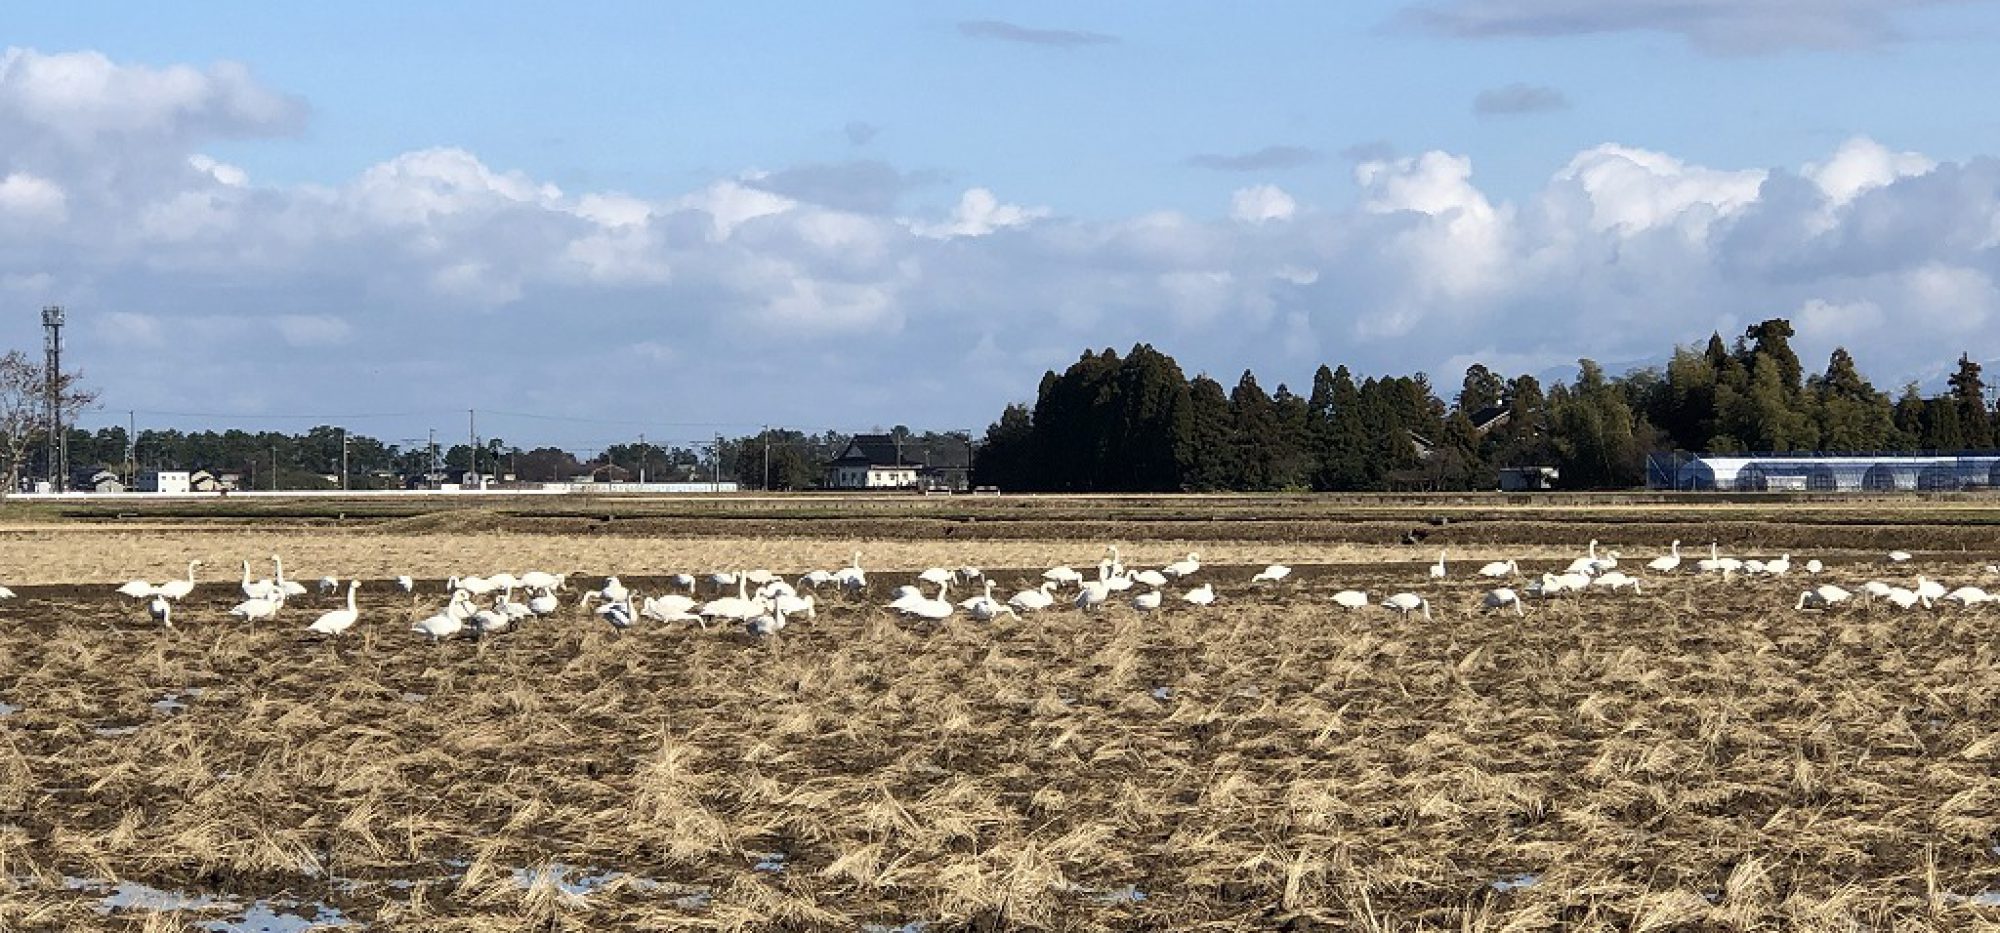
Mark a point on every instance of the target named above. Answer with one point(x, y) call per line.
point(96, 480)
point(876, 461)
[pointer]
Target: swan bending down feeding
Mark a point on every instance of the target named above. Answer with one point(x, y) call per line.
point(1272, 574)
point(1040, 597)
point(1406, 603)
point(339, 620)
point(161, 610)
point(257, 610)
point(1822, 596)
point(1501, 598)
point(1202, 595)
point(1350, 599)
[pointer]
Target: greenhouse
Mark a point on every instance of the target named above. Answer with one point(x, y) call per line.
point(1810, 473)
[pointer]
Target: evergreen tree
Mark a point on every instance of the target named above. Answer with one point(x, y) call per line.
point(1207, 455)
point(1255, 423)
point(1343, 450)
point(1481, 388)
point(1968, 392)
point(1853, 416)
point(1007, 457)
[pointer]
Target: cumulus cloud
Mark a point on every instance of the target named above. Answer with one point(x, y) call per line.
point(864, 185)
point(1718, 26)
point(1256, 205)
point(1010, 32)
point(757, 297)
point(1269, 158)
point(979, 213)
point(1515, 99)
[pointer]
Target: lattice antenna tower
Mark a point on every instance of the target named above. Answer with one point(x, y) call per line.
point(52, 325)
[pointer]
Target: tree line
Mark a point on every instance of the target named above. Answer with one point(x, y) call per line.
point(1137, 423)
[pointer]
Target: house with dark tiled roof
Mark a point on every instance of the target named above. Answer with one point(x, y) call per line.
point(876, 461)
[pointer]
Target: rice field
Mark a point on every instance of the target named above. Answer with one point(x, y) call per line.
point(1699, 757)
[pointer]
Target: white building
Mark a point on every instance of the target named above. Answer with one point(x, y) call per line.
point(165, 481)
point(875, 461)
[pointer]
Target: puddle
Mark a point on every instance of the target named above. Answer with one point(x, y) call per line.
point(771, 862)
point(131, 895)
point(582, 882)
point(414, 698)
point(169, 704)
point(1128, 894)
point(1987, 898)
point(8, 709)
point(914, 926)
point(269, 917)
point(1163, 694)
point(1516, 883)
point(115, 731)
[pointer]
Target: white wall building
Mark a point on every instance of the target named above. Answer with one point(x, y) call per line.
point(165, 481)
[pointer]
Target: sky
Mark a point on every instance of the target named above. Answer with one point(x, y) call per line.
point(679, 219)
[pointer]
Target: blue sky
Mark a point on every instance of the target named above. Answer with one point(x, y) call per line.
point(851, 215)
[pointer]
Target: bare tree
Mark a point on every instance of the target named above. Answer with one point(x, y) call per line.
point(24, 388)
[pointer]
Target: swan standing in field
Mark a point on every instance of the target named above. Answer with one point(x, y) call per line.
point(1502, 598)
point(735, 608)
point(851, 577)
point(1350, 599)
point(935, 576)
point(1586, 563)
point(259, 589)
point(290, 588)
point(792, 604)
point(1437, 569)
point(406, 584)
point(543, 580)
point(1272, 574)
point(612, 591)
point(814, 579)
point(1185, 567)
point(1899, 557)
point(1152, 578)
point(1040, 597)
point(618, 614)
point(1498, 568)
point(1202, 595)
point(1779, 567)
point(327, 585)
point(1406, 603)
point(339, 620)
point(1823, 596)
point(770, 623)
point(176, 590)
point(140, 589)
point(1090, 596)
point(1668, 563)
point(1904, 599)
point(1929, 588)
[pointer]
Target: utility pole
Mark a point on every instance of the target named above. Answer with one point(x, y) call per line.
point(715, 481)
point(274, 468)
point(472, 441)
point(343, 459)
point(52, 325)
point(767, 458)
point(131, 448)
point(642, 456)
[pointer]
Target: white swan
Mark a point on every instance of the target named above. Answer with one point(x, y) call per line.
point(1437, 569)
point(439, 626)
point(1272, 574)
point(328, 585)
point(140, 589)
point(1898, 557)
point(1822, 596)
point(406, 584)
point(1350, 599)
point(543, 580)
point(1779, 567)
point(6, 593)
point(1185, 567)
point(986, 608)
point(1586, 563)
point(1152, 578)
point(792, 604)
point(178, 589)
point(735, 608)
point(683, 580)
point(937, 609)
point(1040, 597)
point(257, 610)
point(1064, 575)
point(1147, 601)
point(1904, 599)
point(770, 623)
point(1967, 596)
point(1406, 603)
point(1617, 580)
point(1498, 568)
point(618, 614)
point(339, 620)
point(851, 577)
point(544, 602)
point(1668, 563)
point(814, 579)
point(1929, 588)
point(1814, 566)
point(290, 588)
point(1091, 595)
point(1202, 595)
point(935, 575)
point(260, 589)
point(1502, 598)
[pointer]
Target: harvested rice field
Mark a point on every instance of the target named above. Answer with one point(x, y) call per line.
point(1696, 756)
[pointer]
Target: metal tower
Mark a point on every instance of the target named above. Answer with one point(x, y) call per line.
point(52, 324)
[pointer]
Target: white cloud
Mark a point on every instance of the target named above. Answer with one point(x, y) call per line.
point(1862, 164)
point(26, 199)
point(762, 307)
point(979, 213)
point(1260, 203)
point(1632, 190)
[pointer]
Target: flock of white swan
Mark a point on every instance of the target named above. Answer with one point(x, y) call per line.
point(765, 609)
